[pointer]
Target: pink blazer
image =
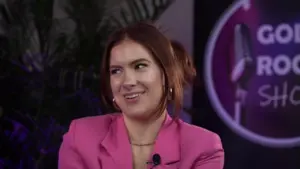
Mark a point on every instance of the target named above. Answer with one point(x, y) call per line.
point(101, 142)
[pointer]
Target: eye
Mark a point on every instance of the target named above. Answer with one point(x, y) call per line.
point(115, 71)
point(140, 66)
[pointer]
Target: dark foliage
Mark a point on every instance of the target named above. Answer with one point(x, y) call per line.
point(49, 72)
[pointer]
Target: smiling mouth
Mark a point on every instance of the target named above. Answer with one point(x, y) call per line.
point(133, 96)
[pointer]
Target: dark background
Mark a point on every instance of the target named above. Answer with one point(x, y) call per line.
point(32, 143)
point(239, 153)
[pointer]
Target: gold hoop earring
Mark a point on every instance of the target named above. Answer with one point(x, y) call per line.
point(115, 104)
point(171, 96)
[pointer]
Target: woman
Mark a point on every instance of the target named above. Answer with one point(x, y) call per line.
point(142, 75)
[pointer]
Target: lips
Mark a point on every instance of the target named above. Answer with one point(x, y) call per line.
point(131, 96)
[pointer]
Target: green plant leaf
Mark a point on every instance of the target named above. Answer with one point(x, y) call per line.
point(133, 11)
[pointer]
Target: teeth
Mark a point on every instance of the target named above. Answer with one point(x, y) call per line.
point(131, 96)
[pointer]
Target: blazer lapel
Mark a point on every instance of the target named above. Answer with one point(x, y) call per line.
point(116, 143)
point(168, 144)
point(117, 146)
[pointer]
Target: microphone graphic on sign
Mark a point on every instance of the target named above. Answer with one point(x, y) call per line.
point(242, 70)
point(156, 160)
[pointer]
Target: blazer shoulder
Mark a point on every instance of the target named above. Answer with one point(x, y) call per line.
point(96, 120)
point(200, 138)
point(93, 125)
point(202, 147)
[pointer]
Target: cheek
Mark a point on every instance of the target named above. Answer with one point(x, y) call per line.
point(115, 86)
point(153, 80)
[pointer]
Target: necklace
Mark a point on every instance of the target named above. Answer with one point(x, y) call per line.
point(146, 144)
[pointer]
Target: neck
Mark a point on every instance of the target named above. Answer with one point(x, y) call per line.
point(141, 132)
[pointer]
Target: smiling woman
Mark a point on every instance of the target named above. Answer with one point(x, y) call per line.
point(132, 49)
point(141, 76)
point(135, 79)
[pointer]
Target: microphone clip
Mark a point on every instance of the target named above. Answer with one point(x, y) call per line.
point(156, 160)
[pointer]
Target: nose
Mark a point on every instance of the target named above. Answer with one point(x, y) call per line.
point(129, 80)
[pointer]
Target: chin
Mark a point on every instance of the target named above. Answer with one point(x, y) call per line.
point(137, 114)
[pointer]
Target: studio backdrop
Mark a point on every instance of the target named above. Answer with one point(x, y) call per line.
point(251, 67)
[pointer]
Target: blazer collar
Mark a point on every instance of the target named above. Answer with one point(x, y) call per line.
point(168, 142)
point(116, 143)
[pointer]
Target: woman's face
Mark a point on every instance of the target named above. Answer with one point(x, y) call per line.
point(136, 79)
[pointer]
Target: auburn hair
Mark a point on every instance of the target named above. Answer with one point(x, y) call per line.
point(185, 60)
point(149, 36)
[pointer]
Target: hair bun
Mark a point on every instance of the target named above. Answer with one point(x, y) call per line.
point(185, 61)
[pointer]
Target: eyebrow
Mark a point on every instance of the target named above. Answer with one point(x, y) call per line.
point(132, 62)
